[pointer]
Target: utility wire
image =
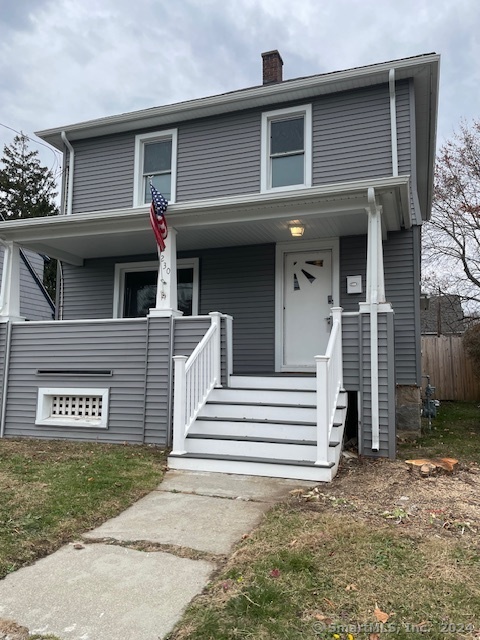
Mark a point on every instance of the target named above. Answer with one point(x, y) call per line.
point(54, 151)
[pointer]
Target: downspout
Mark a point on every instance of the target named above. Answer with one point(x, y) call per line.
point(373, 302)
point(393, 122)
point(71, 163)
point(8, 341)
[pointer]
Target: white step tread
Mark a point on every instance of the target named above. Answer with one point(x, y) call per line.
point(264, 396)
point(251, 429)
point(259, 412)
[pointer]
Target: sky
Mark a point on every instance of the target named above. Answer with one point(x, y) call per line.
point(66, 61)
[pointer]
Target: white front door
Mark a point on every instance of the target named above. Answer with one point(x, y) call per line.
point(307, 300)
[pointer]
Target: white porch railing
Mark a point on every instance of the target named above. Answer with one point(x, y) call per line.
point(195, 377)
point(329, 384)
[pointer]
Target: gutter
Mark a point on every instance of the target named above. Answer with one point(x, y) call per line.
point(71, 163)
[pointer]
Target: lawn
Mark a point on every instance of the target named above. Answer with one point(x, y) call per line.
point(381, 552)
point(52, 491)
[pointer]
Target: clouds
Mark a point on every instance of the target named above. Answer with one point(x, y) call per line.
point(65, 61)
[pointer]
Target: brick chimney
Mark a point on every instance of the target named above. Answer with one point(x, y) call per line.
point(272, 67)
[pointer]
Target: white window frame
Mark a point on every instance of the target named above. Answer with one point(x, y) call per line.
point(44, 408)
point(122, 268)
point(140, 141)
point(266, 168)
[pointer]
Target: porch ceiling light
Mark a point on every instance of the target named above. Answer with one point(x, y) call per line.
point(296, 228)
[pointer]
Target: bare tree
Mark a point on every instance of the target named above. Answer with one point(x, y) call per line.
point(452, 238)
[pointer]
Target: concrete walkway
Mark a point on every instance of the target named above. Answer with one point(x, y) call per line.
point(133, 576)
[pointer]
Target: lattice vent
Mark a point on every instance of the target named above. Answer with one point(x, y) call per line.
point(72, 407)
point(77, 406)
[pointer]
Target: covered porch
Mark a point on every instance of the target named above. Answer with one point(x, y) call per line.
point(327, 214)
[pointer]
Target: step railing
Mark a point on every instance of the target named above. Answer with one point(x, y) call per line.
point(329, 371)
point(195, 377)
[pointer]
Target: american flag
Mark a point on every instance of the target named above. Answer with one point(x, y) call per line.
point(157, 217)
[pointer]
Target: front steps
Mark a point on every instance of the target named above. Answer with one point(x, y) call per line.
point(264, 426)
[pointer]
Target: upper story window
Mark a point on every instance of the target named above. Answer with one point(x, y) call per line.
point(287, 148)
point(155, 159)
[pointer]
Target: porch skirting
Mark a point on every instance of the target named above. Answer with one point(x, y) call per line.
point(121, 371)
point(81, 360)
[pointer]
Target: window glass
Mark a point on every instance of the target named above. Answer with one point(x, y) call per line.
point(287, 170)
point(157, 156)
point(286, 136)
point(185, 290)
point(162, 183)
point(141, 292)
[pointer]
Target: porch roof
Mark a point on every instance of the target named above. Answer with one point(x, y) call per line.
point(326, 211)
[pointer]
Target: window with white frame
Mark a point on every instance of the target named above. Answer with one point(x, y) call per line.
point(287, 148)
point(68, 407)
point(135, 288)
point(155, 160)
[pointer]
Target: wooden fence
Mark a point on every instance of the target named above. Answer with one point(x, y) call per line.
point(451, 371)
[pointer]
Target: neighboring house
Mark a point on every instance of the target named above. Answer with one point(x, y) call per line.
point(35, 303)
point(295, 213)
point(443, 316)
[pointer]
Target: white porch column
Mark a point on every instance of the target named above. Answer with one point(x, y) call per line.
point(167, 303)
point(10, 288)
point(375, 271)
point(375, 297)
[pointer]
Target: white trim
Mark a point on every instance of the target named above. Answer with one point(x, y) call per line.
point(140, 140)
point(265, 166)
point(44, 415)
point(121, 268)
point(322, 244)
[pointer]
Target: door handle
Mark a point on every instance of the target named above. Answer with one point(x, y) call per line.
point(329, 319)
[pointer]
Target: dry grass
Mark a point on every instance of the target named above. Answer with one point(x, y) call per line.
point(378, 543)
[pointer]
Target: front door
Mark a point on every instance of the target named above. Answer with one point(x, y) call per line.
point(307, 300)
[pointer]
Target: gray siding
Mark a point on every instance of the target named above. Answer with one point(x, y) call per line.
point(188, 333)
point(119, 346)
point(240, 281)
point(351, 134)
point(33, 304)
point(386, 387)
point(157, 386)
point(351, 352)
point(88, 290)
point(401, 282)
point(103, 173)
point(220, 156)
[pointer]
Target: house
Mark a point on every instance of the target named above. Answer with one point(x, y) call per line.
point(443, 315)
point(288, 293)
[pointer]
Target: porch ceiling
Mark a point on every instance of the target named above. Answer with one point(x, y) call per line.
point(332, 211)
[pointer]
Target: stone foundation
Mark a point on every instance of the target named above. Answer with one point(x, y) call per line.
point(408, 411)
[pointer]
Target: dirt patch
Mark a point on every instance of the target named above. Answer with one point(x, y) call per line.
point(445, 504)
